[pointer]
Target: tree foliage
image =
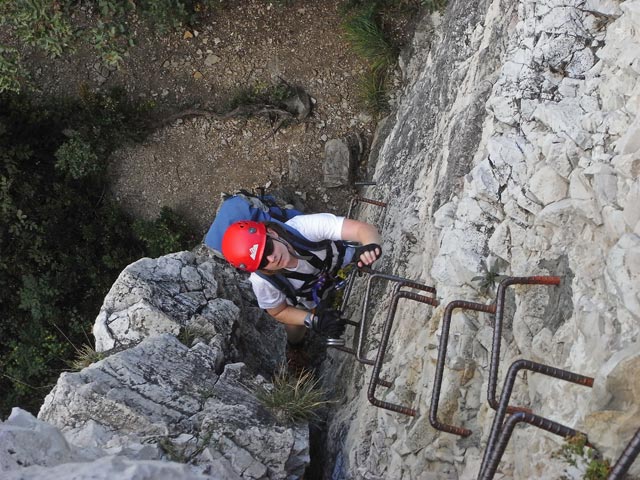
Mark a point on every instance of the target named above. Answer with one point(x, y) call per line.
point(63, 241)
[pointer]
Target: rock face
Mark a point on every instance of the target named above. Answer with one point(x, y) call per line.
point(515, 145)
point(155, 398)
point(514, 150)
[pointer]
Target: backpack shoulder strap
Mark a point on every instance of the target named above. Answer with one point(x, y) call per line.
point(282, 284)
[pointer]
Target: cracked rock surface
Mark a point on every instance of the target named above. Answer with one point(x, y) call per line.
point(154, 398)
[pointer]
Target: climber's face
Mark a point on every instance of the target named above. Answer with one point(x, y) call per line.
point(276, 254)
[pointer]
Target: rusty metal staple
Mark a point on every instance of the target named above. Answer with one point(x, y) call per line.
point(495, 308)
point(357, 199)
point(400, 282)
point(507, 390)
point(626, 459)
point(505, 436)
point(377, 367)
point(397, 294)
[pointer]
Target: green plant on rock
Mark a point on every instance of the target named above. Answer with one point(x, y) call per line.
point(576, 452)
point(293, 399)
point(85, 356)
point(489, 277)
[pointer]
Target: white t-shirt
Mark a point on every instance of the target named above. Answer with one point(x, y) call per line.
point(314, 227)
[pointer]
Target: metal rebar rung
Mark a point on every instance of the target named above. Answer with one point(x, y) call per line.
point(497, 327)
point(400, 282)
point(495, 308)
point(357, 198)
point(377, 367)
point(507, 390)
point(505, 436)
point(442, 353)
point(626, 459)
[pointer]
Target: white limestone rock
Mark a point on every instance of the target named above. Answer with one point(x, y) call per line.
point(121, 468)
point(153, 296)
point(623, 277)
point(614, 408)
point(548, 186)
point(160, 390)
point(27, 441)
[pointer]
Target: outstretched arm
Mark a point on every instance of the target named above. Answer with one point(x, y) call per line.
point(367, 235)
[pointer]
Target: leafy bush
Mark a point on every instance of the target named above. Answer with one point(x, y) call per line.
point(51, 26)
point(40, 23)
point(168, 233)
point(63, 241)
point(76, 158)
point(10, 70)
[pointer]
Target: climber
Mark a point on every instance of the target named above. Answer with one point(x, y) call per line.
point(294, 266)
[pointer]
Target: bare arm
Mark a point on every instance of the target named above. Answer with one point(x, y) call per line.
point(287, 314)
point(366, 234)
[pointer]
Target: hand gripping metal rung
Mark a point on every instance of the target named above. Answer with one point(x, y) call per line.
point(495, 308)
point(501, 431)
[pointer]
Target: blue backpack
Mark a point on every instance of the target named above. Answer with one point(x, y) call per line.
point(262, 208)
point(245, 206)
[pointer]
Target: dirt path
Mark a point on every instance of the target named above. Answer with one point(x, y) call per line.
point(187, 164)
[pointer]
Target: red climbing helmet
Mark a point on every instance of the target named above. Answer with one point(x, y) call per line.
point(243, 244)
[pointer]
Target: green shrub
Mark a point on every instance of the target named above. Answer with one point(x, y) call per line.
point(63, 241)
point(168, 233)
point(11, 70)
point(39, 23)
point(76, 158)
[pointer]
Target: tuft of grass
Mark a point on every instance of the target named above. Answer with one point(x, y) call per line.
point(86, 355)
point(372, 90)
point(293, 399)
point(190, 332)
point(368, 38)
